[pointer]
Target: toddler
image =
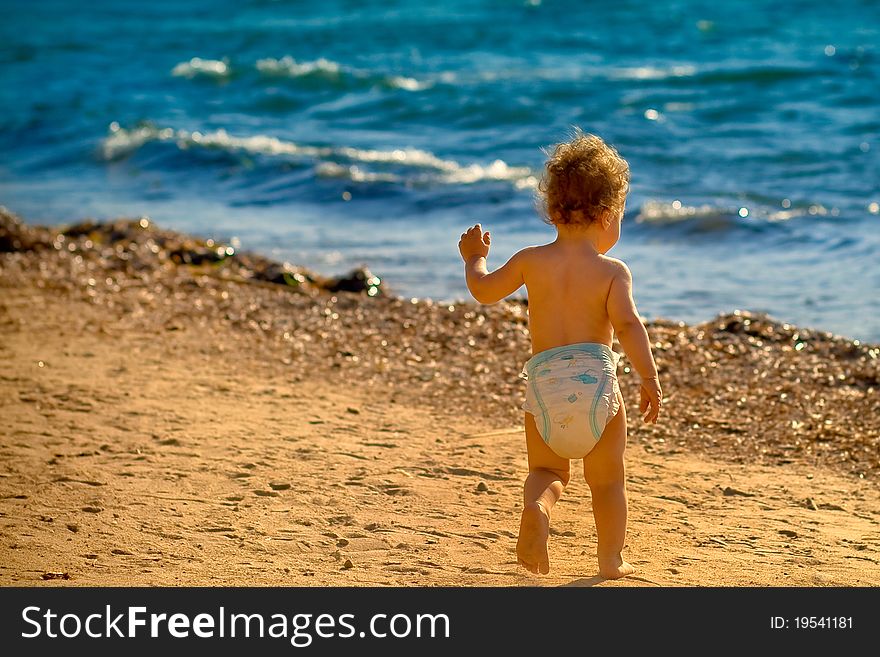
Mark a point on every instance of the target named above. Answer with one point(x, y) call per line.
point(579, 300)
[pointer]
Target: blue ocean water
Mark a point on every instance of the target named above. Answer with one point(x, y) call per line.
point(335, 133)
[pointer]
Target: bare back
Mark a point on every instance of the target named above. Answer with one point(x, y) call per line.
point(568, 285)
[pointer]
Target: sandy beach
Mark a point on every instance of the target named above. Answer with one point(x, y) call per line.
point(173, 412)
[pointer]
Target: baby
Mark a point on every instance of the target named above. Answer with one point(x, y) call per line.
point(579, 299)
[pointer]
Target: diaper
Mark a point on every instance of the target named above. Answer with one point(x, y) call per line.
point(572, 392)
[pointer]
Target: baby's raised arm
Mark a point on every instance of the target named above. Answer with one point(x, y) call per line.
point(633, 338)
point(488, 287)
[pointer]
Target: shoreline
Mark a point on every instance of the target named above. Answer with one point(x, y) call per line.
point(262, 266)
point(168, 423)
point(467, 351)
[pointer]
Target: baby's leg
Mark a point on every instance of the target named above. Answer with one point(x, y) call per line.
point(548, 475)
point(605, 473)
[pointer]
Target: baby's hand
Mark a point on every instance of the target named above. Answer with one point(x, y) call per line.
point(474, 242)
point(652, 398)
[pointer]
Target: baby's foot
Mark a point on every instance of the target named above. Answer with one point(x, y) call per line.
point(534, 530)
point(616, 568)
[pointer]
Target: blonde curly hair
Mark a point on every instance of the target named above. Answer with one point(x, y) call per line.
point(583, 179)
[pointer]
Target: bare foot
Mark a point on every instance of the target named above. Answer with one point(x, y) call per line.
point(534, 530)
point(616, 568)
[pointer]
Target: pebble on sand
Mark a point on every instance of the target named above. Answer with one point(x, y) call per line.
point(55, 575)
point(728, 491)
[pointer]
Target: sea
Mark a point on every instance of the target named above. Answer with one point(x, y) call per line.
point(335, 133)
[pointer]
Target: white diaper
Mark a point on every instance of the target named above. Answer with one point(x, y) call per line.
point(572, 392)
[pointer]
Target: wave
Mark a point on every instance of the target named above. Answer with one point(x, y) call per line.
point(213, 68)
point(353, 173)
point(755, 73)
point(709, 217)
point(336, 73)
point(121, 142)
point(567, 73)
point(287, 66)
point(405, 83)
point(661, 213)
point(497, 171)
point(652, 72)
point(758, 74)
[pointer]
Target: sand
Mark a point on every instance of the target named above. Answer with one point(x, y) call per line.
point(156, 432)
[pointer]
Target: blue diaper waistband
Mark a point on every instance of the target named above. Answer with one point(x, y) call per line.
point(594, 349)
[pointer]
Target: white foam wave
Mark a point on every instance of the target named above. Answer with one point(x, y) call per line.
point(498, 170)
point(215, 68)
point(407, 84)
point(658, 212)
point(564, 73)
point(353, 172)
point(652, 72)
point(120, 142)
point(413, 157)
point(815, 210)
point(288, 66)
point(462, 175)
point(785, 215)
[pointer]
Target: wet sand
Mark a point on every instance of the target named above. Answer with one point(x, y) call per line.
point(174, 417)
